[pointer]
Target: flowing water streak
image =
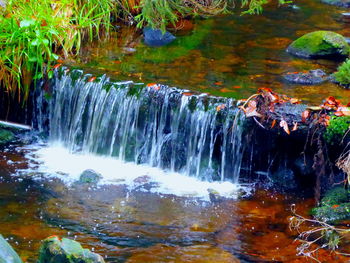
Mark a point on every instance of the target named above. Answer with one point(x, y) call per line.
point(154, 125)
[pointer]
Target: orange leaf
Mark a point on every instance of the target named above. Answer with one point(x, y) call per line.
point(273, 123)
point(219, 83)
point(295, 126)
point(295, 101)
point(285, 127)
point(236, 87)
point(151, 84)
point(335, 206)
point(57, 66)
point(220, 107)
point(187, 94)
point(305, 115)
point(92, 79)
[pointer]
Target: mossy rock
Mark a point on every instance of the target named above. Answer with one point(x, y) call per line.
point(319, 44)
point(7, 254)
point(332, 213)
point(340, 3)
point(6, 136)
point(335, 196)
point(54, 250)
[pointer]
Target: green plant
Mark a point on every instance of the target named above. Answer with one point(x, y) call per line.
point(343, 74)
point(337, 128)
point(34, 33)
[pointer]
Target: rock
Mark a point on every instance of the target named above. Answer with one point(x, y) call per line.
point(54, 250)
point(6, 136)
point(7, 254)
point(319, 44)
point(340, 3)
point(90, 177)
point(332, 213)
point(214, 196)
point(284, 178)
point(311, 77)
point(335, 196)
point(156, 38)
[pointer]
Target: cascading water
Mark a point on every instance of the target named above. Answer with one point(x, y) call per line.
point(163, 127)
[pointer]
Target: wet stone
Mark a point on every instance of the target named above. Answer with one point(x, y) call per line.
point(54, 250)
point(6, 136)
point(312, 77)
point(90, 177)
point(156, 38)
point(317, 44)
point(7, 254)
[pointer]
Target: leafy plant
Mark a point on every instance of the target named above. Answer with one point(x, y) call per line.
point(337, 128)
point(343, 74)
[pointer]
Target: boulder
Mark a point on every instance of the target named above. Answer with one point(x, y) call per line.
point(340, 3)
point(6, 136)
point(7, 254)
point(90, 177)
point(157, 38)
point(312, 77)
point(54, 250)
point(319, 44)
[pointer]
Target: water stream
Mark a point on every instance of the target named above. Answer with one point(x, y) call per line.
point(170, 158)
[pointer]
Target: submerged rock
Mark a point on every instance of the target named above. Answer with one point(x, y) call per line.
point(54, 250)
point(90, 177)
point(335, 206)
point(7, 254)
point(319, 44)
point(340, 3)
point(6, 136)
point(311, 77)
point(156, 38)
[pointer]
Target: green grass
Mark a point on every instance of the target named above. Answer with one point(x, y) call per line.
point(35, 33)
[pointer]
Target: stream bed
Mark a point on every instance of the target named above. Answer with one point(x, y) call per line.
point(143, 213)
point(136, 225)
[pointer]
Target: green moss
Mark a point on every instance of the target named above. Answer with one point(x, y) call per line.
point(335, 196)
point(6, 136)
point(318, 44)
point(332, 213)
point(343, 74)
point(336, 129)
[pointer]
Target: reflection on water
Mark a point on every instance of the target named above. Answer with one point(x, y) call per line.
point(228, 56)
point(140, 226)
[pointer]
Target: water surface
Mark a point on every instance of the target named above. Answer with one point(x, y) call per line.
point(228, 56)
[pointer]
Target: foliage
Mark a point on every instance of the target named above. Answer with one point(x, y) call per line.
point(160, 13)
point(33, 33)
point(337, 128)
point(343, 74)
point(318, 235)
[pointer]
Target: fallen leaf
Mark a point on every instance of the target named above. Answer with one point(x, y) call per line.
point(57, 65)
point(305, 115)
point(219, 83)
point(92, 79)
point(295, 126)
point(273, 123)
point(295, 101)
point(285, 127)
point(220, 107)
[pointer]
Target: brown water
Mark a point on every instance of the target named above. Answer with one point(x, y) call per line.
point(226, 56)
point(137, 226)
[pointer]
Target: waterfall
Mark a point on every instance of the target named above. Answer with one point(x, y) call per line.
point(194, 134)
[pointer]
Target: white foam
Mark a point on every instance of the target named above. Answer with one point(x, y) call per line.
point(57, 161)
